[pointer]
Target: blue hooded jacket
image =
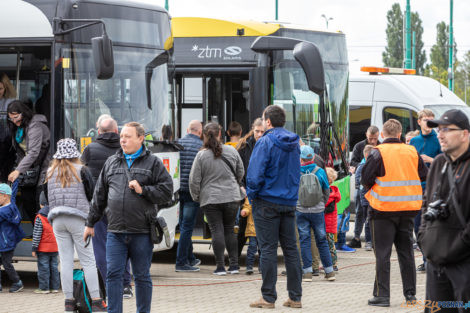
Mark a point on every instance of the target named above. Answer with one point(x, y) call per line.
point(427, 144)
point(274, 169)
point(10, 219)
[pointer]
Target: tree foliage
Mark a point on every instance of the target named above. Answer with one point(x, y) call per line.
point(394, 51)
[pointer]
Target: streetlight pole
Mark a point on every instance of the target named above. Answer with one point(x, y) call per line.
point(166, 5)
point(326, 19)
point(451, 47)
point(277, 10)
point(408, 36)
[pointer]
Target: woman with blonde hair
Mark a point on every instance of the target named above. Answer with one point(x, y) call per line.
point(7, 159)
point(69, 188)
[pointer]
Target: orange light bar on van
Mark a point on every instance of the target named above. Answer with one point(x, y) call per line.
point(387, 70)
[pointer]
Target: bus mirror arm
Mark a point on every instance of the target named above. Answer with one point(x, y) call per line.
point(160, 59)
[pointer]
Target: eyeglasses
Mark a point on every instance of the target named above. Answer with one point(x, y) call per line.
point(16, 118)
point(445, 130)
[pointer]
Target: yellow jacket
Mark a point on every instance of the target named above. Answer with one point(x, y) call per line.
point(250, 224)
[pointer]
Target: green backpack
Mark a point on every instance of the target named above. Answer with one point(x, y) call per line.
point(310, 191)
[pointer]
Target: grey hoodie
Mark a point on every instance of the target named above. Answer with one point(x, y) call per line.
point(37, 138)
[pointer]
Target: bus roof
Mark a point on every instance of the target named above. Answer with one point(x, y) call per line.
point(19, 19)
point(211, 27)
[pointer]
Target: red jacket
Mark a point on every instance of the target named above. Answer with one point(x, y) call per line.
point(331, 219)
point(48, 242)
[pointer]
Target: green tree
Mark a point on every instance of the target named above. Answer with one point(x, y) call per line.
point(440, 50)
point(393, 54)
point(394, 51)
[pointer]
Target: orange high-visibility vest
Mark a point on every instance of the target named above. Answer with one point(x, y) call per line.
point(400, 188)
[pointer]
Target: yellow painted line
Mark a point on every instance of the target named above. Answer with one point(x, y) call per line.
point(177, 237)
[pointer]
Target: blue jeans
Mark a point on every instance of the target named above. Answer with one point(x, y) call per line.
point(187, 220)
point(139, 248)
point(251, 252)
point(315, 221)
point(99, 249)
point(48, 271)
point(361, 220)
point(276, 223)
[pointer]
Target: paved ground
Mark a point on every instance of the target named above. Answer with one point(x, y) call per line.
point(204, 292)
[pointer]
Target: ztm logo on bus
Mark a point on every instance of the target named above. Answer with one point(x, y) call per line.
point(233, 50)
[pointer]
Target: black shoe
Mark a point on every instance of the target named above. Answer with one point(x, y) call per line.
point(70, 305)
point(127, 292)
point(315, 272)
point(379, 301)
point(16, 287)
point(421, 268)
point(410, 298)
point(354, 243)
point(99, 306)
point(284, 273)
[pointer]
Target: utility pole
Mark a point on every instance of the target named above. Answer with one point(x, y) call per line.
point(408, 36)
point(451, 47)
point(413, 60)
point(166, 5)
point(277, 10)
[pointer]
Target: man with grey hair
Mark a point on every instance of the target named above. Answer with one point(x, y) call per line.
point(192, 143)
point(94, 156)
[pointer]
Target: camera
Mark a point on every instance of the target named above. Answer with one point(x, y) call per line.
point(437, 210)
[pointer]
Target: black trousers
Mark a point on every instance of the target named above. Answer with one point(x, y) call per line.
point(450, 283)
point(6, 258)
point(241, 239)
point(385, 233)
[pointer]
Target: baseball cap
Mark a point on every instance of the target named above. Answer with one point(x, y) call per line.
point(306, 152)
point(5, 189)
point(454, 116)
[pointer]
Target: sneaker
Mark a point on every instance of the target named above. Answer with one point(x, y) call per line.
point(70, 305)
point(330, 276)
point(307, 276)
point(17, 287)
point(335, 268)
point(421, 268)
point(368, 246)
point(316, 272)
point(284, 273)
point(186, 268)
point(249, 271)
point(54, 291)
point(220, 271)
point(233, 270)
point(195, 262)
point(1, 287)
point(99, 306)
point(127, 292)
point(345, 248)
point(292, 304)
point(354, 243)
point(235, 229)
point(41, 291)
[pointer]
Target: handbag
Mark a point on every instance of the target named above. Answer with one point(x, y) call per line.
point(242, 189)
point(30, 178)
point(156, 231)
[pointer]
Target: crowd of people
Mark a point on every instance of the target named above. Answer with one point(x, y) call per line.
point(267, 188)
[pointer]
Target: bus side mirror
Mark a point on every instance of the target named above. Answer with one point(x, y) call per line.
point(103, 56)
point(309, 57)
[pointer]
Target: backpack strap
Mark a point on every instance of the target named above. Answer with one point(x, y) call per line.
point(316, 169)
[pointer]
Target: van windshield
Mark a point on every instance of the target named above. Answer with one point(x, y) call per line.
point(440, 109)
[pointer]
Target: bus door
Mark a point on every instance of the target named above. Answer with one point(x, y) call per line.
point(29, 70)
point(220, 98)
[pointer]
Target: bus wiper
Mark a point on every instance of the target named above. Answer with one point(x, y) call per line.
point(160, 59)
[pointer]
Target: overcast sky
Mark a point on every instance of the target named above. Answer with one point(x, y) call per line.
point(363, 21)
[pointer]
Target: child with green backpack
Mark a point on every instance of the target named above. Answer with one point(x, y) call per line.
point(314, 191)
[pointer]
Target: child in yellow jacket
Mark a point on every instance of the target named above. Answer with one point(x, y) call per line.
point(250, 233)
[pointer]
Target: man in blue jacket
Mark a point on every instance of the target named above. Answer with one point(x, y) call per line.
point(428, 147)
point(272, 188)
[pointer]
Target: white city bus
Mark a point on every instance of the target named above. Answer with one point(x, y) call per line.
point(47, 51)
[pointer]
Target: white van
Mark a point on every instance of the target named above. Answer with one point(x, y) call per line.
point(375, 98)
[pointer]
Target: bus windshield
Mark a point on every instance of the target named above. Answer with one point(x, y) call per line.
point(123, 96)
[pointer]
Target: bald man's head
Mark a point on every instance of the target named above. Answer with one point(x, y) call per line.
point(195, 128)
point(107, 125)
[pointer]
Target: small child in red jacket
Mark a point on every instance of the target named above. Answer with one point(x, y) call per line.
point(331, 214)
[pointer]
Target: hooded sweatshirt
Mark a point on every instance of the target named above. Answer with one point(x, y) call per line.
point(427, 144)
point(274, 169)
